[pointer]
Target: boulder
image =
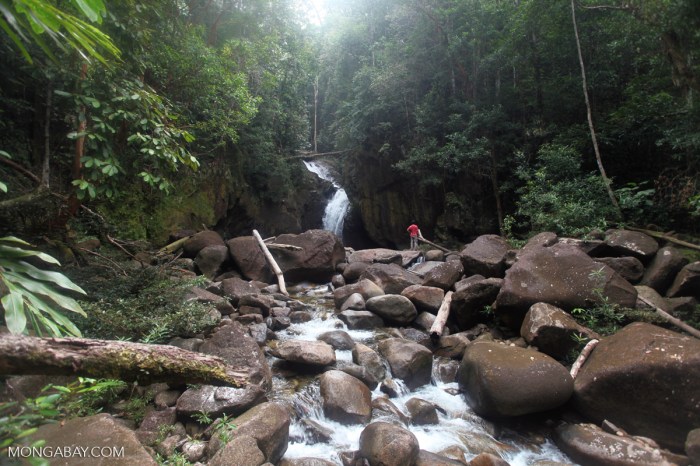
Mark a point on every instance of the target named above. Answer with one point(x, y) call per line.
point(467, 281)
point(249, 259)
point(485, 256)
point(424, 298)
point(424, 267)
point(234, 345)
point(444, 276)
point(338, 339)
point(632, 243)
point(361, 320)
point(409, 361)
point(391, 278)
point(359, 372)
point(234, 288)
point(385, 444)
point(489, 459)
point(687, 282)
point(306, 461)
point(629, 268)
point(345, 399)
point(385, 409)
point(426, 458)
point(409, 257)
point(153, 423)
point(268, 424)
point(435, 255)
point(321, 252)
point(561, 275)
point(352, 272)
point(264, 302)
point(422, 412)
point(369, 359)
point(589, 444)
point(504, 381)
point(393, 309)
point(424, 320)
point(199, 241)
point(307, 353)
point(552, 330)
point(355, 302)
point(644, 379)
point(210, 260)
point(241, 451)
point(467, 306)
point(101, 431)
point(453, 346)
point(378, 255)
point(645, 293)
point(662, 270)
point(366, 288)
point(217, 401)
point(692, 446)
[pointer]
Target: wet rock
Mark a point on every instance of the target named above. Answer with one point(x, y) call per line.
point(306, 462)
point(435, 255)
point(389, 445)
point(409, 257)
point(338, 339)
point(455, 452)
point(267, 423)
point(99, 431)
point(321, 252)
point(200, 241)
point(259, 333)
point(393, 309)
point(361, 320)
point(248, 319)
point(552, 330)
point(426, 458)
point(345, 398)
point(425, 267)
point(260, 301)
point(359, 372)
point(692, 446)
point(485, 256)
point(413, 334)
point(384, 409)
point(233, 344)
point(299, 317)
point(355, 302)
point(391, 278)
point(309, 353)
point(211, 259)
point(166, 399)
point(366, 288)
point(662, 270)
point(447, 370)
point(390, 388)
point(317, 431)
point(218, 401)
point(193, 450)
point(467, 281)
point(422, 412)
point(235, 288)
point(561, 275)
point(424, 298)
point(588, 444)
point(632, 243)
point(424, 321)
point(501, 380)
point(377, 255)
point(641, 379)
point(488, 459)
point(467, 307)
point(444, 276)
point(453, 346)
point(687, 282)
point(241, 451)
point(629, 268)
point(409, 361)
point(369, 359)
point(352, 272)
point(337, 281)
point(278, 323)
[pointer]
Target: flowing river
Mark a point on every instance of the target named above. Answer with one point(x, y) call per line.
point(458, 424)
point(337, 207)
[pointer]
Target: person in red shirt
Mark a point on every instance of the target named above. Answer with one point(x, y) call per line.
point(414, 233)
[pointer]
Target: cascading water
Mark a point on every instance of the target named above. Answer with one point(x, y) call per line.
point(337, 207)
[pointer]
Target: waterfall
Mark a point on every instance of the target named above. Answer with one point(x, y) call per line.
point(337, 207)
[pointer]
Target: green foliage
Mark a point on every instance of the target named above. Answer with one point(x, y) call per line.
point(144, 307)
point(203, 417)
point(176, 459)
point(34, 294)
point(20, 420)
point(605, 317)
point(223, 427)
point(85, 396)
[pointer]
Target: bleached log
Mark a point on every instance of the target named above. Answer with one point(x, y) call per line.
point(420, 238)
point(439, 324)
point(669, 318)
point(582, 357)
point(271, 262)
point(174, 246)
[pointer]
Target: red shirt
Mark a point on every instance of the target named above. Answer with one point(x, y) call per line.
point(413, 229)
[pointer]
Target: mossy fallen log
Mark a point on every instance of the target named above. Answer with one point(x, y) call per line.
point(123, 360)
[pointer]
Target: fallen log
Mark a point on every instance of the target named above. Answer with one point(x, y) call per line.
point(174, 246)
point(123, 360)
point(439, 324)
point(669, 318)
point(576, 367)
point(420, 238)
point(671, 239)
point(271, 262)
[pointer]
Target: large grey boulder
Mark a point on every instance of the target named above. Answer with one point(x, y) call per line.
point(366, 357)
point(321, 252)
point(241, 451)
point(361, 320)
point(425, 298)
point(687, 282)
point(561, 275)
point(393, 308)
point(308, 353)
point(218, 401)
point(468, 304)
point(645, 380)
point(268, 424)
point(632, 243)
point(663, 269)
point(199, 241)
point(504, 381)
point(552, 330)
point(352, 272)
point(445, 275)
point(338, 339)
point(391, 278)
point(377, 255)
point(345, 398)
point(629, 268)
point(385, 444)
point(249, 259)
point(409, 361)
point(234, 288)
point(210, 260)
point(485, 256)
point(364, 287)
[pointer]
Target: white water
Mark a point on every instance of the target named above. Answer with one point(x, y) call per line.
point(458, 424)
point(337, 207)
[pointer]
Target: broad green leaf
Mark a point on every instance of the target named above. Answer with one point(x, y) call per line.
point(47, 276)
point(56, 316)
point(12, 252)
point(3, 187)
point(13, 303)
point(14, 239)
point(40, 288)
point(93, 9)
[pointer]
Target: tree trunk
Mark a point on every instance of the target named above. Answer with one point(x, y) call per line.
point(22, 355)
point(443, 313)
point(496, 191)
point(589, 113)
point(271, 262)
point(45, 165)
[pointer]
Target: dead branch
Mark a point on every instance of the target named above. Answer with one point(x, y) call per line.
point(576, 367)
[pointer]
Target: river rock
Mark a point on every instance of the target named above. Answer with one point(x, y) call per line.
point(217, 401)
point(210, 260)
point(425, 298)
point(424, 320)
point(692, 446)
point(644, 379)
point(589, 444)
point(422, 412)
point(467, 306)
point(502, 381)
point(321, 252)
point(377, 255)
point(249, 259)
point(629, 268)
point(435, 255)
point(369, 359)
point(234, 288)
point(453, 346)
point(361, 320)
point(560, 275)
point(662, 270)
point(364, 287)
point(385, 444)
point(444, 276)
point(352, 272)
point(488, 459)
point(409, 257)
point(199, 241)
point(99, 431)
point(632, 243)
point(391, 278)
point(687, 282)
point(425, 267)
point(485, 256)
point(345, 398)
point(338, 339)
point(263, 302)
point(426, 458)
point(308, 353)
point(268, 424)
point(355, 302)
point(359, 372)
point(307, 461)
point(552, 330)
point(385, 409)
point(241, 451)
point(463, 283)
point(409, 361)
point(393, 308)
